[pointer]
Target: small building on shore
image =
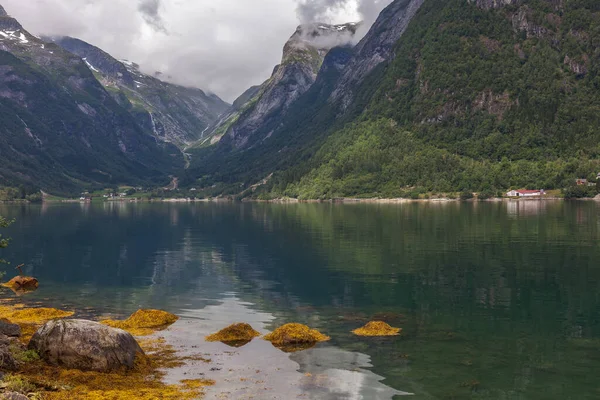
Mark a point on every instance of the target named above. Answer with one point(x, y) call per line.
point(526, 193)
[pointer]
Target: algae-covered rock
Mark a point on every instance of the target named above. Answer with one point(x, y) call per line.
point(294, 335)
point(144, 322)
point(235, 335)
point(377, 328)
point(22, 283)
point(85, 345)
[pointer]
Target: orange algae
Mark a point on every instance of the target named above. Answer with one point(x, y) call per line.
point(377, 328)
point(295, 337)
point(144, 322)
point(30, 319)
point(36, 315)
point(197, 383)
point(237, 333)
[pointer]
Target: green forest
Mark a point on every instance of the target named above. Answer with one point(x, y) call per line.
point(470, 103)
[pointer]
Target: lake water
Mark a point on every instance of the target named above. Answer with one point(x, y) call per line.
point(496, 300)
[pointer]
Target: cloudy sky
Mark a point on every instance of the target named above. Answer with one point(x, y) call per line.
point(223, 46)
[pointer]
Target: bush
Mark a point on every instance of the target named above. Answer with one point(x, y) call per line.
point(466, 195)
point(580, 192)
point(485, 195)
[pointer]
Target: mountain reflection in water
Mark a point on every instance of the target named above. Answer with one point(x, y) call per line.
point(496, 300)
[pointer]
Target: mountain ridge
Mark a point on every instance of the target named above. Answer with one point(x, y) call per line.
point(303, 55)
point(61, 130)
point(172, 113)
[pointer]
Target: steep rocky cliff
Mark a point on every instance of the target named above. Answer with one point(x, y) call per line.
point(375, 48)
point(170, 112)
point(60, 129)
point(302, 58)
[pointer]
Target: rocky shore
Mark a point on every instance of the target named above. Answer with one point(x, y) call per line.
point(43, 355)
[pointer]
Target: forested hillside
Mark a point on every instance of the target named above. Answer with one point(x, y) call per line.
point(476, 98)
point(479, 95)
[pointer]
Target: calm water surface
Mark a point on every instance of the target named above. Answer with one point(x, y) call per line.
point(496, 300)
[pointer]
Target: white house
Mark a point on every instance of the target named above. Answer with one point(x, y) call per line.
point(526, 193)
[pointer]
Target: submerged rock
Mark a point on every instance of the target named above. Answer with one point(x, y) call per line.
point(295, 337)
point(235, 335)
point(144, 322)
point(85, 345)
point(377, 328)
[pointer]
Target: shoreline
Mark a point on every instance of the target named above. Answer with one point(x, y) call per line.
point(346, 200)
point(286, 200)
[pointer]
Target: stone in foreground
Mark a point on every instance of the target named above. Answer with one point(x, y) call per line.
point(9, 329)
point(85, 345)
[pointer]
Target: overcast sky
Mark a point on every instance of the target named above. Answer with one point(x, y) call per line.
point(223, 46)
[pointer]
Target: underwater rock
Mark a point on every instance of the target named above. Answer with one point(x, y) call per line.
point(292, 335)
point(377, 328)
point(8, 329)
point(85, 345)
point(22, 283)
point(235, 335)
point(144, 322)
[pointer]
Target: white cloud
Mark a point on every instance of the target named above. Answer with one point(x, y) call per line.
point(222, 46)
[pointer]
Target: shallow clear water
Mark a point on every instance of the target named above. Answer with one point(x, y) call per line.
point(496, 300)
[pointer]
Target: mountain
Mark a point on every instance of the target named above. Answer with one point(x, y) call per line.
point(303, 55)
point(375, 48)
point(480, 96)
point(170, 112)
point(60, 130)
point(285, 138)
point(440, 96)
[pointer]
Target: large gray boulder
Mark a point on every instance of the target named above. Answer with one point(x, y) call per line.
point(85, 345)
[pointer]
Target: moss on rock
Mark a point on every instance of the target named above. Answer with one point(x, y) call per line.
point(237, 333)
point(294, 337)
point(144, 322)
point(377, 328)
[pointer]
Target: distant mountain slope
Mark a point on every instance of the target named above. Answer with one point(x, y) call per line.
point(172, 113)
point(59, 128)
